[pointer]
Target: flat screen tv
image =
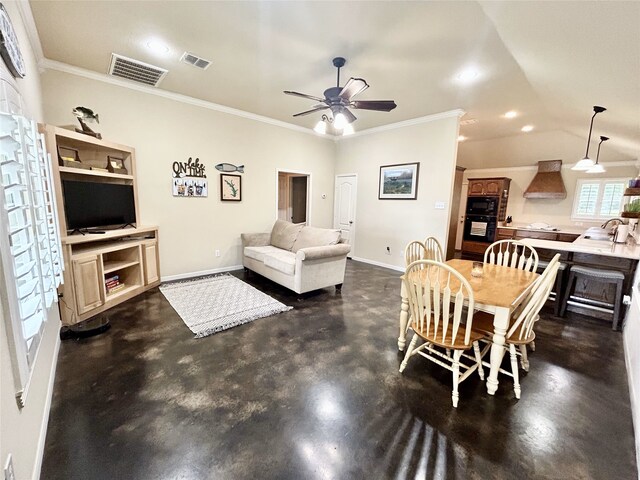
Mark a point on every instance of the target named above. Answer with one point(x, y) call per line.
point(90, 204)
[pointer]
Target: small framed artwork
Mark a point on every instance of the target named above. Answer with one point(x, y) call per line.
point(399, 182)
point(230, 188)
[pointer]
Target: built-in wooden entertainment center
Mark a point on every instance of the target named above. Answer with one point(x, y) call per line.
point(91, 259)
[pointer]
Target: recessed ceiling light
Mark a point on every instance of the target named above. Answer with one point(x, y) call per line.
point(527, 128)
point(157, 47)
point(511, 114)
point(467, 76)
point(461, 138)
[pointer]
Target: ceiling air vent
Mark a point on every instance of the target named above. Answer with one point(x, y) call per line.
point(136, 70)
point(194, 60)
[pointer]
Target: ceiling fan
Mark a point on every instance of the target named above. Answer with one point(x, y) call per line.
point(337, 99)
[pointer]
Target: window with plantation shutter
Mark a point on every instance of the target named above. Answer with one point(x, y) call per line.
point(598, 199)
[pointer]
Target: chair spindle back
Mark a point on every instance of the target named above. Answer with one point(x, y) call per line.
point(434, 290)
point(433, 249)
point(512, 253)
point(536, 300)
point(413, 251)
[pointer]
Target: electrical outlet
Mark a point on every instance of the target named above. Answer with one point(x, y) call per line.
point(217, 253)
point(9, 474)
point(388, 251)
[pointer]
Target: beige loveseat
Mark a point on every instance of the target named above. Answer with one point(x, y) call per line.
point(298, 257)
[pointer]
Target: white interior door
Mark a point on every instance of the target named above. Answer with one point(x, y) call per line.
point(344, 213)
point(461, 215)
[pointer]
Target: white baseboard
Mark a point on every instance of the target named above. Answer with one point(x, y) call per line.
point(182, 276)
point(378, 264)
point(47, 408)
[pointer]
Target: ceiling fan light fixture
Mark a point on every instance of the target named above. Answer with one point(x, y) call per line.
point(340, 121)
point(321, 127)
point(348, 130)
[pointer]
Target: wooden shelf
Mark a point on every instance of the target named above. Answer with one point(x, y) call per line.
point(630, 214)
point(94, 173)
point(122, 291)
point(110, 235)
point(112, 266)
point(632, 192)
point(71, 138)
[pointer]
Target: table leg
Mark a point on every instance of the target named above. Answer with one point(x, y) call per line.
point(404, 318)
point(500, 325)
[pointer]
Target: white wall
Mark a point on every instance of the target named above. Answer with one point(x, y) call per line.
point(552, 211)
point(394, 223)
point(632, 357)
point(162, 131)
point(22, 432)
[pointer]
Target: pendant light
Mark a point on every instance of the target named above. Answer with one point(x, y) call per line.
point(586, 163)
point(598, 168)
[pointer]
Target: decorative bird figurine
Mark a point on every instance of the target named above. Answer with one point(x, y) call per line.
point(84, 115)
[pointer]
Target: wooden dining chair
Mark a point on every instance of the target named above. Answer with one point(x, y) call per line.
point(441, 306)
point(413, 251)
point(512, 253)
point(520, 332)
point(433, 249)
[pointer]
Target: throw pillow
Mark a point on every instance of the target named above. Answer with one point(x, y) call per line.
point(283, 234)
point(316, 237)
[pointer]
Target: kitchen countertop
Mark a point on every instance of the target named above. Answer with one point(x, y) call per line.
point(573, 230)
point(584, 245)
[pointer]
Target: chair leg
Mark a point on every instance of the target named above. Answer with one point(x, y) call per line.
point(514, 370)
point(525, 358)
point(618, 305)
point(448, 350)
point(567, 294)
point(532, 345)
point(456, 377)
point(556, 303)
point(412, 345)
point(476, 351)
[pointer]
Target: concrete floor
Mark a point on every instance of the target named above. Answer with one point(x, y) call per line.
point(315, 393)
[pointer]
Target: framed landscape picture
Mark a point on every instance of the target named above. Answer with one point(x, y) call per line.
point(399, 182)
point(230, 188)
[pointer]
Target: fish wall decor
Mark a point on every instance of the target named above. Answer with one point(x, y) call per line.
point(228, 168)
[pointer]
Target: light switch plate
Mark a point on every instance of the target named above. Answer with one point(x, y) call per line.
point(439, 205)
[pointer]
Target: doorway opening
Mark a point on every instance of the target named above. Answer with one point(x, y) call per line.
point(293, 196)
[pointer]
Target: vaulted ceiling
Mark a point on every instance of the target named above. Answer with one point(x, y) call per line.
point(549, 61)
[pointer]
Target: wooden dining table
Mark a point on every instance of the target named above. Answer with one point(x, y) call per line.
point(499, 292)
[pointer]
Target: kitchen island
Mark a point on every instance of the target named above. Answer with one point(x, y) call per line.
point(592, 249)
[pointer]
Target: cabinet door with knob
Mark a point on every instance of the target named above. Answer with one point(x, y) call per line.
point(476, 187)
point(493, 187)
point(151, 270)
point(87, 280)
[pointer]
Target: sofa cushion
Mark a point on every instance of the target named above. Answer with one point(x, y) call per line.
point(258, 253)
point(283, 234)
point(282, 261)
point(316, 237)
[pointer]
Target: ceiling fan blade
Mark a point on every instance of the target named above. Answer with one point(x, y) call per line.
point(352, 88)
point(304, 95)
point(348, 115)
point(380, 105)
point(317, 108)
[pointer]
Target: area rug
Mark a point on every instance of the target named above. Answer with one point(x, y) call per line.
point(209, 305)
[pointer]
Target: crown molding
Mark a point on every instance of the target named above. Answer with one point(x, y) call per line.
point(178, 97)
point(32, 31)
point(566, 166)
point(405, 123)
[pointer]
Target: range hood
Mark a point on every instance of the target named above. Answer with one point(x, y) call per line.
point(548, 181)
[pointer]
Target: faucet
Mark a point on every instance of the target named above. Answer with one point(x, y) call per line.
point(619, 220)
